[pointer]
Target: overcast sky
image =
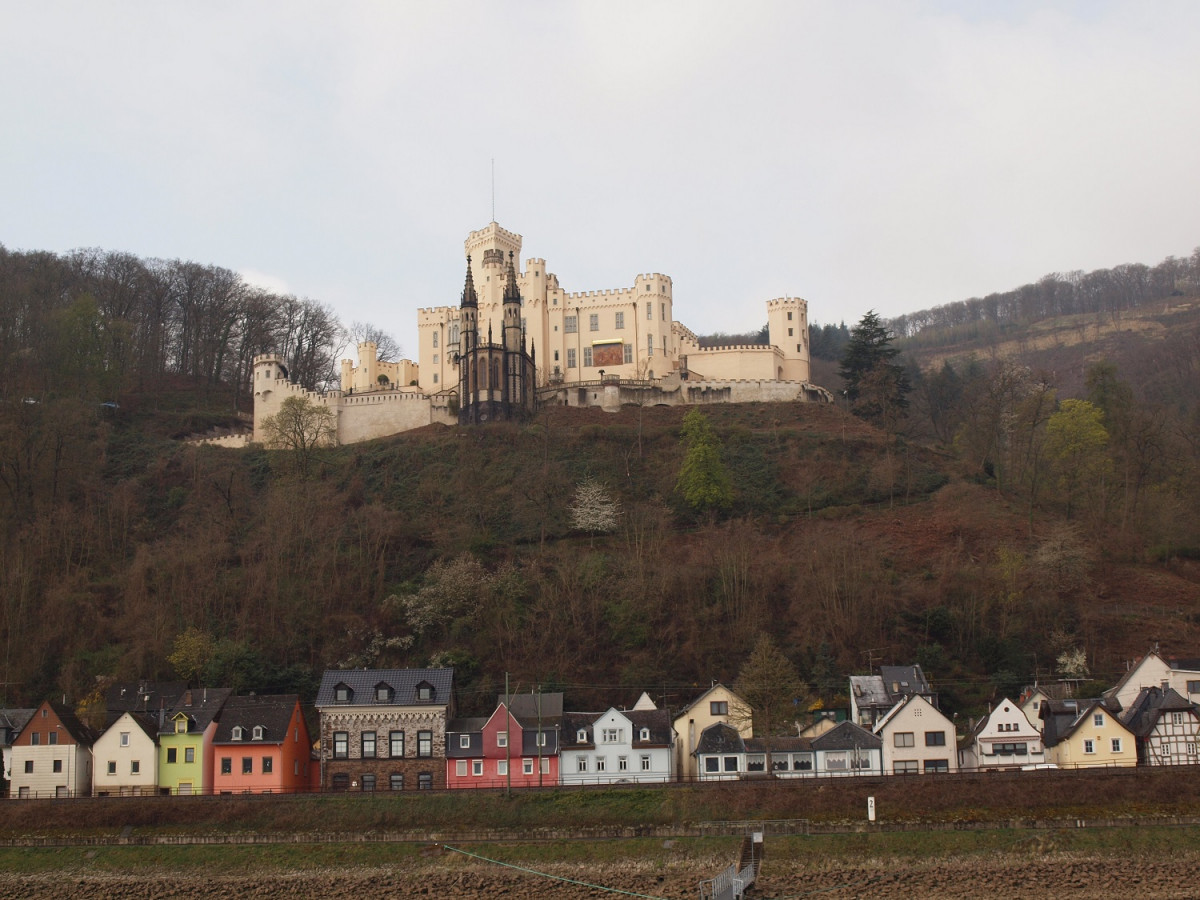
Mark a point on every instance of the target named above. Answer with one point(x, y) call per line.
point(893, 155)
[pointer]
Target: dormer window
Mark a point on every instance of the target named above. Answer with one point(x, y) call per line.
point(181, 726)
point(237, 733)
point(644, 734)
point(257, 734)
point(342, 693)
point(424, 692)
point(581, 736)
point(383, 692)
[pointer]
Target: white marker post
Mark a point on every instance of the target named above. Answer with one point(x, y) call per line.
point(870, 809)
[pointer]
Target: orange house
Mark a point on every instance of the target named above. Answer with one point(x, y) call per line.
point(261, 746)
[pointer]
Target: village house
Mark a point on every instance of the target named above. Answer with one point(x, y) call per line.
point(873, 696)
point(261, 746)
point(516, 746)
point(52, 755)
point(1166, 727)
point(1080, 734)
point(384, 729)
point(185, 740)
point(916, 738)
point(1003, 739)
point(848, 749)
point(125, 757)
point(1154, 670)
point(723, 753)
point(617, 746)
point(11, 722)
point(718, 704)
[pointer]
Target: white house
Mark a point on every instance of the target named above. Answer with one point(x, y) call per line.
point(848, 749)
point(52, 755)
point(917, 738)
point(617, 746)
point(1003, 739)
point(1152, 670)
point(126, 757)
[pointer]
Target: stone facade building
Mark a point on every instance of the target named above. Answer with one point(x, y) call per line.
point(384, 729)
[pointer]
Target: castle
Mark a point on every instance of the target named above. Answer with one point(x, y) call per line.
point(517, 340)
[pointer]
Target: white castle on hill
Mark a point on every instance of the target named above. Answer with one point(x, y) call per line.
point(586, 348)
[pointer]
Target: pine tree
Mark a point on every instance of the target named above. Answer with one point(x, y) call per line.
point(703, 480)
point(876, 387)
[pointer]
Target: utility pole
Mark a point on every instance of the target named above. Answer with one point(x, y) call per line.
point(507, 739)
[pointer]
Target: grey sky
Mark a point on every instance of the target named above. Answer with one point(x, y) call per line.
point(891, 155)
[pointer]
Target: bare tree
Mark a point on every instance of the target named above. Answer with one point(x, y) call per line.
point(595, 510)
point(387, 348)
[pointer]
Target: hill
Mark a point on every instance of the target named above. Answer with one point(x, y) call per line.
point(968, 540)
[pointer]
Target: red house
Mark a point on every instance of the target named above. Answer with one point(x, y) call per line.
point(261, 746)
point(516, 746)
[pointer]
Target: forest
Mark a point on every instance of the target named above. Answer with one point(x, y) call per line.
point(1035, 501)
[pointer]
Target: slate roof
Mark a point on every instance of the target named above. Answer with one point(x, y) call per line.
point(526, 707)
point(201, 706)
point(659, 723)
point(780, 745)
point(147, 723)
point(403, 682)
point(272, 711)
point(1061, 718)
point(847, 736)
point(79, 732)
point(900, 681)
point(719, 738)
point(467, 725)
point(703, 697)
point(1145, 711)
point(573, 723)
point(13, 720)
point(869, 691)
point(141, 696)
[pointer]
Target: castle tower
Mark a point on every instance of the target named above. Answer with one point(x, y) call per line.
point(787, 327)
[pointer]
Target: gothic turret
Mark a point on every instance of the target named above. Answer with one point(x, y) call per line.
point(469, 311)
point(512, 309)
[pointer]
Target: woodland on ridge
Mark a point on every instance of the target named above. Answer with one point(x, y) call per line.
point(972, 536)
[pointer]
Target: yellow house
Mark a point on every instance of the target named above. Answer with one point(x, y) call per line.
point(1079, 734)
point(716, 705)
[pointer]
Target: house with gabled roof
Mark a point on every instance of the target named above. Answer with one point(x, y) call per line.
point(148, 698)
point(125, 757)
point(617, 746)
point(516, 746)
point(1080, 734)
point(185, 737)
point(1153, 670)
point(52, 755)
point(384, 729)
point(917, 738)
point(1003, 739)
point(872, 696)
point(261, 746)
point(1166, 727)
point(719, 704)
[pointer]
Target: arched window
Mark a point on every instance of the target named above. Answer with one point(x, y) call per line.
point(454, 334)
point(495, 385)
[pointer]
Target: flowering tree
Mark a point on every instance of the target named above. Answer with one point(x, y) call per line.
point(595, 509)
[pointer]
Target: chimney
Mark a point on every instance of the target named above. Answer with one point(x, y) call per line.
point(187, 698)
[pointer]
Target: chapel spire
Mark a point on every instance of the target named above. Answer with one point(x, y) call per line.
point(468, 295)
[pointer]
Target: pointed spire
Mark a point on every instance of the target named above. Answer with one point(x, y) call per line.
point(511, 293)
point(468, 295)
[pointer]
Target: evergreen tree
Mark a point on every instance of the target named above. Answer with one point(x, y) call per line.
point(703, 480)
point(876, 387)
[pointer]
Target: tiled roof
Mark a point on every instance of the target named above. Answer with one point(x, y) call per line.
point(900, 681)
point(704, 697)
point(1151, 702)
point(573, 723)
point(141, 696)
point(273, 712)
point(66, 716)
point(403, 683)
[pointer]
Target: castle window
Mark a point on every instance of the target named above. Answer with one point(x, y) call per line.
point(594, 322)
point(789, 319)
point(649, 307)
point(570, 324)
point(570, 357)
point(435, 362)
point(556, 356)
point(620, 323)
point(628, 353)
point(649, 345)
point(587, 356)
point(789, 332)
point(435, 378)
point(664, 312)
point(647, 288)
point(435, 338)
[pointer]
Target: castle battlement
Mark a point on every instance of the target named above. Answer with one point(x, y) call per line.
point(754, 348)
point(780, 301)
